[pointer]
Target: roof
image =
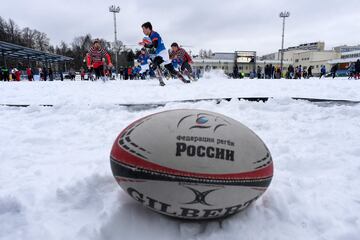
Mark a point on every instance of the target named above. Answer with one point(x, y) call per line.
point(343, 60)
point(10, 50)
point(210, 60)
point(223, 56)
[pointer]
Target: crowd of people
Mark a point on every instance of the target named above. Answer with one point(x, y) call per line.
point(14, 74)
point(299, 72)
point(10, 74)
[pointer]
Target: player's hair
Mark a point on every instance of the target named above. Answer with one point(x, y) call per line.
point(147, 25)
point(174, 45)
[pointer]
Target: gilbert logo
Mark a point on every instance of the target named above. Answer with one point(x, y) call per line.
point(200, 196)
point(202, 121)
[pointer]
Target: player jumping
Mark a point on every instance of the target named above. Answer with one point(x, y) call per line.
point(162, 55)
point(95, 59)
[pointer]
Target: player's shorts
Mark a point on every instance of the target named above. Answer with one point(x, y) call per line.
point(165, 56)
point(144, 68)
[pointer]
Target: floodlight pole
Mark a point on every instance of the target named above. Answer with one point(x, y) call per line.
point(115, 9)
point(283, 15)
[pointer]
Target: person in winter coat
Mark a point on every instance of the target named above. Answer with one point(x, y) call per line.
point(334, 70)
point(323, 71)
point(258, 72)
point(357, 69)
point(309, 74)
point(351, 71)
point(29, 74)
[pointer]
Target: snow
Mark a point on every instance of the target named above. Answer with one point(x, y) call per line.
point(56, 182)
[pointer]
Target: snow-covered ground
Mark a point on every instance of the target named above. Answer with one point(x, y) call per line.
point(56, 182)
point(211, 86)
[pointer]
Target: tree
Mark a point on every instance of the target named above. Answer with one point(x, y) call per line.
point(3, 35)
point(42, 42)
point(13, 32)
point(28, 37)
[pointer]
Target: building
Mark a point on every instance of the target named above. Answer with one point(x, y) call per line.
point(306, 55)
point(313, 46)
point(346, 48)
point(226, 61)
point(270, 56)
point(346, 59)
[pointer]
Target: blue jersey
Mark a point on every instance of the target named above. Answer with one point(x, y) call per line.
point(161, 46)
point(143, 59)
point(176, 62)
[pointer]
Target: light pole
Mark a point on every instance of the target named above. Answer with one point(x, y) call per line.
point(283, 15)
point(115, 9)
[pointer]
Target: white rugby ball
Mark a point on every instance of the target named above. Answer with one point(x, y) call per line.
point(191, 164)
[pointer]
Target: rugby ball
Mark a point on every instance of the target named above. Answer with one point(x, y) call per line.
point(147, 40)
point(191, 164)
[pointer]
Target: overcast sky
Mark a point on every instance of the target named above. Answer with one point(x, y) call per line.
point(220, 25)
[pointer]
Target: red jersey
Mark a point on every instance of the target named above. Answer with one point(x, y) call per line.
point(95, 57)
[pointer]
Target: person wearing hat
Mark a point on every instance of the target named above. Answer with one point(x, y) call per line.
point(96, 59)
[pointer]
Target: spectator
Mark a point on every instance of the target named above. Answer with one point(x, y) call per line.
point(300, 72)
point(72, 74)
point(258, 72)
point(305, 72)
point(357, 69)
point(290, 74)
point(126, 75)
point(278, 73)
point(29, 74)
point(11, 73)
point(129, 72)
point(6, 74)
point(235, 71)
point(61, 76)
point(351, 70)
point(334, 70)
point(323, 71)
point(310, 72)
point(17, 74)
point(45, 72)
point(51, 74)
point(82, 73)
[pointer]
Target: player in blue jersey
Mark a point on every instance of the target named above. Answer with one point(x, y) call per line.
point(144, 60)
point(162, 55)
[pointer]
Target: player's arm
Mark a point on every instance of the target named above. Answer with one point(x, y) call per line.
point(108, 58)
point(172, 55)
point(88, 60)
point(153, 44)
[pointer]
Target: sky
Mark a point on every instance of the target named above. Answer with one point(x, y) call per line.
point(222, 26)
